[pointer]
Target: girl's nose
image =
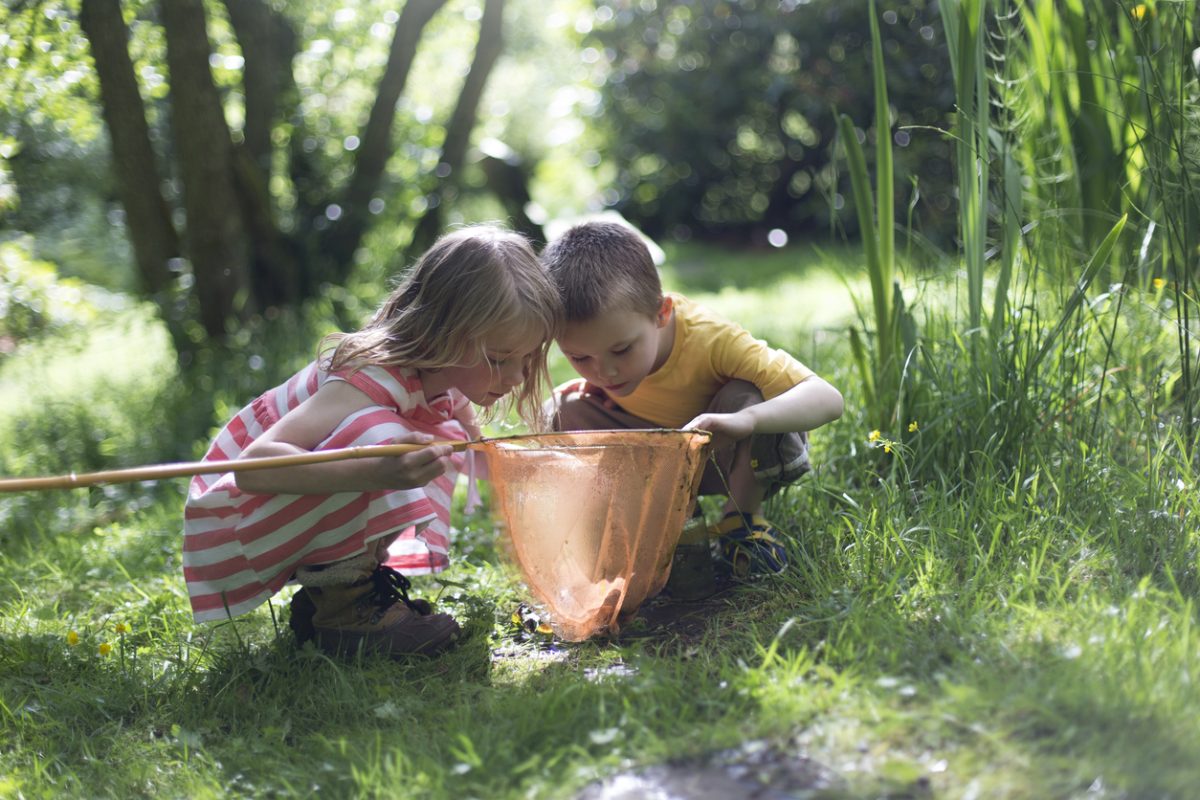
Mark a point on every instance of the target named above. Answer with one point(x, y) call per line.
point(513, 373)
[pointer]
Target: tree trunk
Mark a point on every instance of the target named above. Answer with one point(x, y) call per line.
point(148, 220)
point(343, 237)
point(268, 45)
point(462, 122)
point(217, 240)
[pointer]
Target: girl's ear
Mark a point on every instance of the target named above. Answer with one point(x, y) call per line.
point(664, 311)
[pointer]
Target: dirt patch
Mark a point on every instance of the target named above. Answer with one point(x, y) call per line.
point(669, 617)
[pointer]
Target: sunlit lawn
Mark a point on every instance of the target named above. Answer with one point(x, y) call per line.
point(1011, 636)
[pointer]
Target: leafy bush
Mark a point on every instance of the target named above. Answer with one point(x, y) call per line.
point(721, 114)
point(34, 299)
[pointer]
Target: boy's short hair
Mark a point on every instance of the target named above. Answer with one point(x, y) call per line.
point(598, 266)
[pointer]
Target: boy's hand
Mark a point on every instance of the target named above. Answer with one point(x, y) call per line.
point(726, 428)
point(584, 387)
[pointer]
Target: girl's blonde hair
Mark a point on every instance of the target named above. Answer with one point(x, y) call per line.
point(472, 283)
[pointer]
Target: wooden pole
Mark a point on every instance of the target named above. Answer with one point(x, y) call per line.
point(190, 468)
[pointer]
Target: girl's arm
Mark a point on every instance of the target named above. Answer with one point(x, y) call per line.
point(309, 424)
point(809, 404)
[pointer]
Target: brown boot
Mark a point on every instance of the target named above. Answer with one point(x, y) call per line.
point(376, 615)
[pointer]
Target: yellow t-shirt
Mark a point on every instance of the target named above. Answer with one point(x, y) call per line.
point(708, 352)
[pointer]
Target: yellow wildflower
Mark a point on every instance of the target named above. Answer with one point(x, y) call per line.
point(887, 448)
point(1159, 283)
point(913, 427)
point(873, 436)
point(105, 648)
point(1140, 10)
point(121, 627)
point(72, 638)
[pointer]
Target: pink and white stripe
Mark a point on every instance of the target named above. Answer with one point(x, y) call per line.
point(241, 548)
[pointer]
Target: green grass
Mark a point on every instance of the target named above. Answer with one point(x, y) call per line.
point(963, 617)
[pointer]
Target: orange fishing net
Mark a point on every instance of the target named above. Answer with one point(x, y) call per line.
point(592, 517)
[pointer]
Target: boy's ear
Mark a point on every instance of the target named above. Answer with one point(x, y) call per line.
point(664, 311)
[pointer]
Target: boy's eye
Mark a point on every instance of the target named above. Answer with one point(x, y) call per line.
point(622, 351)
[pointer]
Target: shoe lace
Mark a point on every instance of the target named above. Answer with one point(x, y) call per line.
point(389, 586)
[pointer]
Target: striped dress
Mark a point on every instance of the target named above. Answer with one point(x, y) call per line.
point(240, 548)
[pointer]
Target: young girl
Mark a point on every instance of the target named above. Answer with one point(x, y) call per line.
point(471, 323)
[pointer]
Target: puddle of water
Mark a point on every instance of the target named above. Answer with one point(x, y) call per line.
point(538, 653)
point(755, 771)
point(618, 669)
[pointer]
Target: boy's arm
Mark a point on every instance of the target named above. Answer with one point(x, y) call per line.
point(303, 428)
point(809, 404)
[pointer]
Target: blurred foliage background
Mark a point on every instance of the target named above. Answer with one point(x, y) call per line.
point(258, 169)
point(702, 121)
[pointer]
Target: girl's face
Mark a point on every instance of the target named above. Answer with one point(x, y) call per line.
point(504, 366)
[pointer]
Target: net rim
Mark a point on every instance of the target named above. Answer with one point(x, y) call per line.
point(638, 437)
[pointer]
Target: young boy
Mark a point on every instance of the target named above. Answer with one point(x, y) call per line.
point(655, 360)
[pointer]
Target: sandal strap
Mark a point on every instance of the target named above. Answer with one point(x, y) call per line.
point(756, 526)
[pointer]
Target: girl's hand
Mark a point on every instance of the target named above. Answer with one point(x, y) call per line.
point(415, 469)
point(726, 428)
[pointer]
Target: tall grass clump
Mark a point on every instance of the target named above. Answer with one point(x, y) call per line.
point(1076, 151)
point(1164, 101)
point(1110, 130)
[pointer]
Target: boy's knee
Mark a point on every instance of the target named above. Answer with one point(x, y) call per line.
point(776, 459)
point(734, 396)
point(573, 410)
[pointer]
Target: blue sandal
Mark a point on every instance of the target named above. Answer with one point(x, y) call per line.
point(749, 545)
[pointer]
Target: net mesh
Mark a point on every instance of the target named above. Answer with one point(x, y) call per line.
point(591, 518)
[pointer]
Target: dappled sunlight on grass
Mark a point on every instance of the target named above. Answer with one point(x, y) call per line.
point(791, 313)
point(126, 348)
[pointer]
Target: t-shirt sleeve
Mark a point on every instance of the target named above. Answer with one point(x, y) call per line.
point(739, 356)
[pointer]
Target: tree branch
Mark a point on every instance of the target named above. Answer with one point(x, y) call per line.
point(462, 122)
point(376, 147)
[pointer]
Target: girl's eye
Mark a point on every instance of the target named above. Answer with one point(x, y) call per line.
point(577, 359)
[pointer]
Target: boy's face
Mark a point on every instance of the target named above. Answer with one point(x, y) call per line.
point(617, 349)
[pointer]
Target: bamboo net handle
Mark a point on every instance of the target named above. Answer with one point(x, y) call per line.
point(190, 468)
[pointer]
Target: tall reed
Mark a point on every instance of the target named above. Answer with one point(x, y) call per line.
point(880, 365)
point(964, 24)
